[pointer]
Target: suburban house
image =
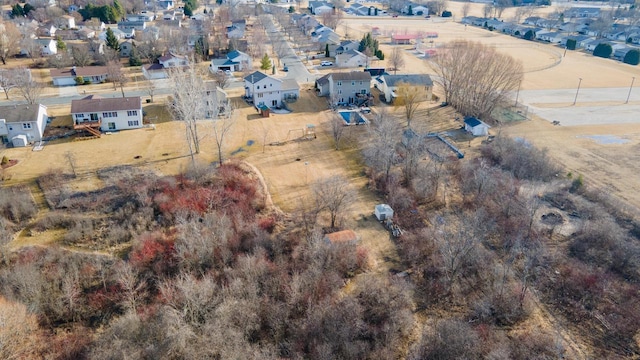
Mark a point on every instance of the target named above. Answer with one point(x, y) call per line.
point(364, 10)
point(346, 87)
point(476, 127)
point(107, 114)
point(86, 33)
point(47, 30)
point(66, 77)
point(581, 12)
point(414, 9)
point(142, 16)
point(126, 47)
point(268, 91)
point(166, 4)
point(388, 84)
point(216, 94)
point(235, 61)
point(22, 124)
point(351, 58)
point(320, 7)
point(47, 46)
point(129, 25)
point(119, 34)
point(236, 30)
point(159, 71)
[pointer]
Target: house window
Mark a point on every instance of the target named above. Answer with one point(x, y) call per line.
point(353, 83)
point(270, 85)
point(339, 91)
point(363, 91)
point(360, 82)
point(260, 95)
point(79, 116)
point(339, 83)
point(111, 125)
point(134, 123)
point(26, 126)
point(132, 112)
point(93, 117)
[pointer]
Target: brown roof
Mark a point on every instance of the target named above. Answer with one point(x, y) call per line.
point(92, 104)
point(289, 84)
point(341, 237)
point(170, 56)
point(79, 71)
point(19, 113)
point(353, 75)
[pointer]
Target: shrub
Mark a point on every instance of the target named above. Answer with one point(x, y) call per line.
point(447, 13)
point(571, 44)
point(5, 160)
point(632, 57)
point(603, 50)
point(519, 157)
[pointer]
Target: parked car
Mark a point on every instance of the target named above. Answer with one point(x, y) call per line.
point(395, 15)
point(285, 69)
point(326, 63)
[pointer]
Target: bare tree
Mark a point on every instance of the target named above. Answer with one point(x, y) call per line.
point(487, 10)
point(6, 81)
point(380, 152)
point(221, 79)
point(116, 75)
point(29, 88)
point(188, 104)
point(396, 59)
point(10, 39)
point(133, 287)
point(222, 125)
point(476, 78)
point(410, 96)
point(31, 48)
point(332, 19)
point(501, 6)
point(150, 88)
point(81, 55)
point(334, 195)
point(337, 128)
point(71, 158)
point(437, 6)
point(465, 9)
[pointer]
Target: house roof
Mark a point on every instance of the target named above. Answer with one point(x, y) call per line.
point(412, 79)
point(255, 77)
point(353, 75)
point(290, 84)
point(341, 237)
point(170, 56)
point(92, 104)
point(154, 67)
point(79, 71)
point(473, 122)
point(219, 62)
point(323, 80)
point(19, 113)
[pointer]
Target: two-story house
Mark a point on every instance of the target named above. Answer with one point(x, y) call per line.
point(165, 62)
point(107, 114)
point(22, 124)
point(345, 88)
point(265, 90)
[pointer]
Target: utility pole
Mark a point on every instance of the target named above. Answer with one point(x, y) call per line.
point(577, 91)
point(630, 88)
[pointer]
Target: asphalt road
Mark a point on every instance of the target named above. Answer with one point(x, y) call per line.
point(288, 57)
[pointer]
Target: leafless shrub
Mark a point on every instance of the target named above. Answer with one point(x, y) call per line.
point(449, 339)
point(521, 158)
point(16, 204)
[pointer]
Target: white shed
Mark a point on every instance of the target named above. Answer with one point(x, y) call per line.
point(383, 212)
point(476, 127)
point(20, 141)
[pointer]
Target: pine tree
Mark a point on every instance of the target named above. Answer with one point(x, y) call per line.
point(118, 10)
point(265, 63)
point(326, 50)
point(410, 12)
point(60, 44)
point(134, 58)
point(112, 41)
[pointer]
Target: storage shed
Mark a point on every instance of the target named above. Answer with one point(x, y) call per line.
point(383, 212)
point(476, 127)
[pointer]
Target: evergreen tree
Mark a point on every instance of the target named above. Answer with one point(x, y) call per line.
point(27, 8)
point(112, 41)
point(603, 50)
point(632, 57)
point(134, 58)
point(118, 10)
point(265, 63)
point(326, 50)
point(60, 44)
point(17, 11)
point(410, 12)
point(376, 12)
point(188, 11)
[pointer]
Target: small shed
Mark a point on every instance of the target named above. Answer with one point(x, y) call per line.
point(20, 140)
point(341, 237)
point(383, 212)
point(476, 127)
point(264, 110)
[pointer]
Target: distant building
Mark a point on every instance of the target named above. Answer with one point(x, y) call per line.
point(22, 124)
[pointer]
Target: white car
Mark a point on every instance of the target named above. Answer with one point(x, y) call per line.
point(326, 63)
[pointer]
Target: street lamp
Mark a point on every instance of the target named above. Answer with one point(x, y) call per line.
point(518, 93)
point(630, 87)
point(577, 91)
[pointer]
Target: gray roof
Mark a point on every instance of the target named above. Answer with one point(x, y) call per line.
point(255, 77)
point(93, 104)
point(19, 113)
point(219, 62)
point(413, 79)
point(353, 75)
point(323, 80)
point(290, 84)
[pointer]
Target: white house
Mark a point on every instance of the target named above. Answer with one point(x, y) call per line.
point(47, 46)
point(476, 127)
point(320, 7)
point(383, 212)
point(68, 22)
point(351, 58)
point(159, 71)
point(119, 34)
point(414, 9)
point(268, 91)
point(109, 114)
point(388, 84)
point(235, 61)
point(166, 4)
point(22, 124)
point(87, 33)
